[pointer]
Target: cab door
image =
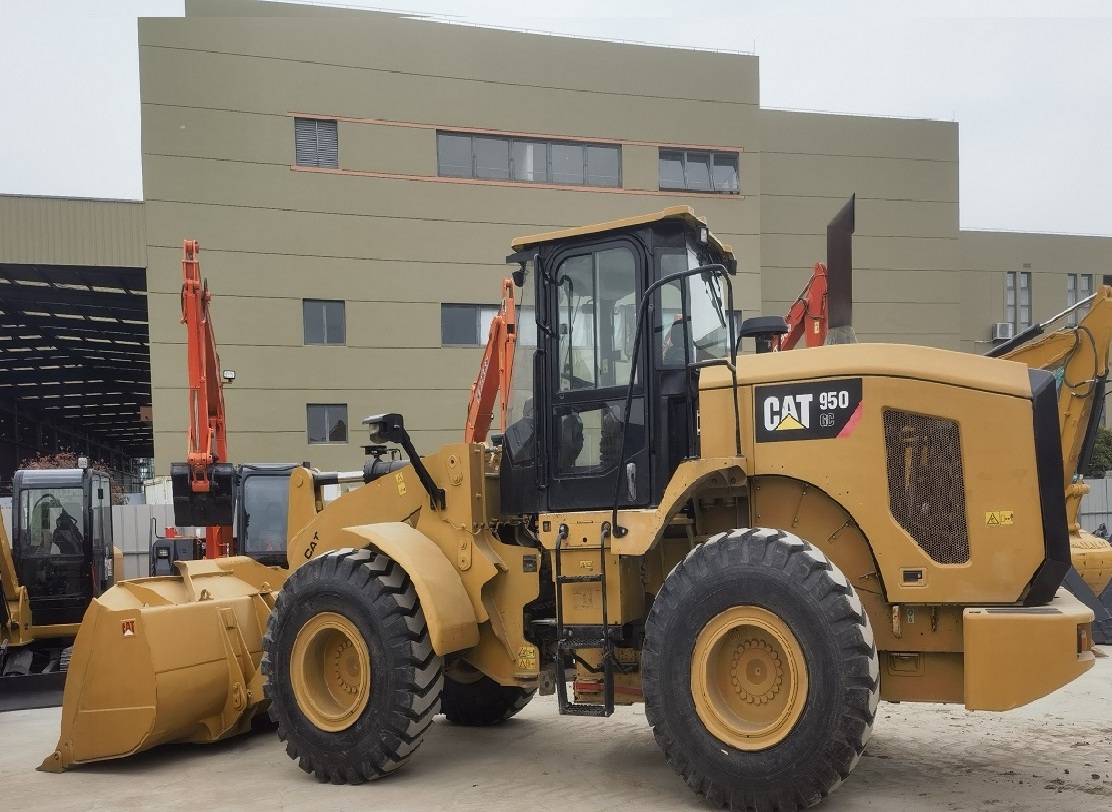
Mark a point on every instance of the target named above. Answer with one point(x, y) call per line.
point(593, 292)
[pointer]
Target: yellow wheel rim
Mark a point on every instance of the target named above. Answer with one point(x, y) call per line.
point(748, 678)
point(330, 669)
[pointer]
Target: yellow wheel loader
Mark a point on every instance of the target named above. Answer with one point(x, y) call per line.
point(59, 557)
point(759, 547)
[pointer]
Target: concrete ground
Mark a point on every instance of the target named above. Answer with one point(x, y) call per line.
point(1055, 754)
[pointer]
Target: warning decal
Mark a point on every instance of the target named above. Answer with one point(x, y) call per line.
point(815, 410)
point(996, 518)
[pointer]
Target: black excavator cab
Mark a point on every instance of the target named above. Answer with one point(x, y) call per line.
point(62, 540)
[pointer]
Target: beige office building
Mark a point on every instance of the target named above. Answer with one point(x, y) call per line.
point(355, 180)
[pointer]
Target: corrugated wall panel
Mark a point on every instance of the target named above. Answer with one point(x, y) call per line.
point(72, 231)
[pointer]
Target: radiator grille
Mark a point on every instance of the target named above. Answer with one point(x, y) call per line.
point(926, 490)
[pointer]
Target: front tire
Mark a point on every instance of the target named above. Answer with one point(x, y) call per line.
point(349, 667)
point(760, 673)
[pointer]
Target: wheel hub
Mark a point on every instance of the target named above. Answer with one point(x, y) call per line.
point(748, 678)
point(330, 669)
point(756, 672)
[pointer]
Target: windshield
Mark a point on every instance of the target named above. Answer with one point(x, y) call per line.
point(266, 507)
point(51, 521)
point(596, 302)
point(707, 331)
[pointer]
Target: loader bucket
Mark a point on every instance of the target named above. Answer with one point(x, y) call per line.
point(172, 659)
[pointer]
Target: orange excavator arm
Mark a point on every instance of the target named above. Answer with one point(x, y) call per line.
point(207, 443)
point(807, 318)
point(498, 356)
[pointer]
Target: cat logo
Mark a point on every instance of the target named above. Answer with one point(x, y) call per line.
point(127, 627)
point(789, 413)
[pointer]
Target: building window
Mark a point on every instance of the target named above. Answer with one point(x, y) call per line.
point(691, 171)
point(1017, 308)
point(315, 142)
point(466, 324)
point(1079, 287)
point(327, 422)
point(490, 157)
point(526, 326)
point(469, 325)
point(324, 321)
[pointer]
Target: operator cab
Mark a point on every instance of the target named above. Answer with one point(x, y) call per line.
point(62, 540)
point(605, 407)
point(262, 512)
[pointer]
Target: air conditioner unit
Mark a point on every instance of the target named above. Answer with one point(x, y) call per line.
point(1003, 331)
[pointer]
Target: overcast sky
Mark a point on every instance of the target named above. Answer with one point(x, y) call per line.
point(1029, 81)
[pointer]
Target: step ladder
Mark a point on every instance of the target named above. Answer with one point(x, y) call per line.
point(570, 637)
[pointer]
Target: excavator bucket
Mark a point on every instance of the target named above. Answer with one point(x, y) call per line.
point(161, 660)
point(215, 506)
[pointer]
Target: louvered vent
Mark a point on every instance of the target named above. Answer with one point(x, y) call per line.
point(316, 143)
point(926, 489)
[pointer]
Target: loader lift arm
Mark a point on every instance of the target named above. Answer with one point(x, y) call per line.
point(499, 356)
point(1078, 356)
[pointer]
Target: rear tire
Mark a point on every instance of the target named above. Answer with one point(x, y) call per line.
point(760, 673)
point(481, 702)
point(349, 668)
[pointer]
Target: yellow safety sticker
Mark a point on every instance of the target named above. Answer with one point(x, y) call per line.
point(996, 518)
point(400, 478)
point(526, 658)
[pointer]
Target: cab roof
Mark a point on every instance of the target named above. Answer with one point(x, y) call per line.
point(52, 477)
point(683, 213)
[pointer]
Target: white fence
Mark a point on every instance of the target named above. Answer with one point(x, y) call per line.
point(1096, 507)
point(131, 530)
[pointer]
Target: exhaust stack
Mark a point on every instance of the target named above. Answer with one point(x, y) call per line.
point(839, 272)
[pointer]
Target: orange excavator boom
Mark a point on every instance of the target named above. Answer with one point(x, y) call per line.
point(807, 318)
point(499, 357)
point(203, 492)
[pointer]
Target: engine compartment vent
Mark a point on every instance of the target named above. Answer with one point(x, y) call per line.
point(926, 488)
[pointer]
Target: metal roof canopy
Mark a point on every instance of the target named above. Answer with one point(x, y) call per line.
point(74, 349)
